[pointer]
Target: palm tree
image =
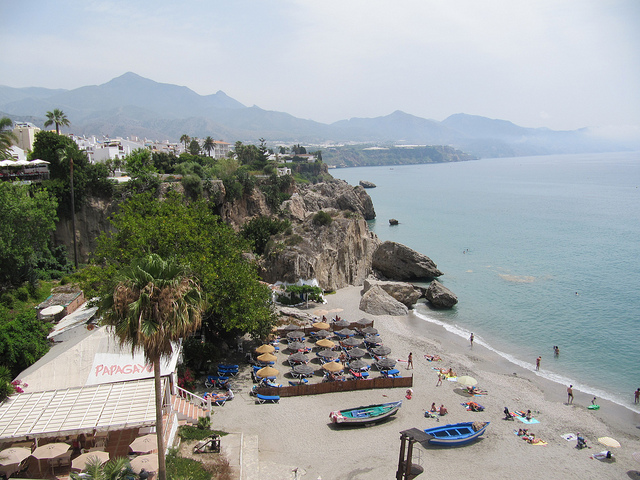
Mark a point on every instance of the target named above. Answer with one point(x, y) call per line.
point(185, 139)
point(116, 469)
point(59, 118)
point(208, 144)
point(7, 137)
point(154, 304)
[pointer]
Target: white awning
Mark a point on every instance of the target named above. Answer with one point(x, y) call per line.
point(104, 407)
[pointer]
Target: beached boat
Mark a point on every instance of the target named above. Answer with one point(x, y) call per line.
point(456, 433)
point(363, 415)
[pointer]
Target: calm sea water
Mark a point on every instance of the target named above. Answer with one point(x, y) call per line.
point(540, 251)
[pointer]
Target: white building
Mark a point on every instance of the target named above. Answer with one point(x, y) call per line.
point(26, 133)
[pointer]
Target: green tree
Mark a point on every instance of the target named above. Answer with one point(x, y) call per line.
point(139, 162)
point(194, 147)
point(23, 340)
point(7, 137)
point(154, 304)
point(117, 468)
point(185, 139)
point(58, 118)
point(194, 236)
point(28, 220)
point(259, 230)
point(208, 145)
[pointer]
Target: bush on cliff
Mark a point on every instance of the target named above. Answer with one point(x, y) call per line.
point(322, 218)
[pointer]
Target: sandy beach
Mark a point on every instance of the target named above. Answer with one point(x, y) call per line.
point(297, 433)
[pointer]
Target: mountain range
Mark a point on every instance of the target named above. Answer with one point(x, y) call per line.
point(131, 105)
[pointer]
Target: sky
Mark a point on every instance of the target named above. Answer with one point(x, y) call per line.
point(560, 64)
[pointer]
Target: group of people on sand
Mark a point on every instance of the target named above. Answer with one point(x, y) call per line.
point(529, 437)
point(433, 411)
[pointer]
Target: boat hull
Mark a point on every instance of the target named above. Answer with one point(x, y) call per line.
point(455, 434)
point(364, 415)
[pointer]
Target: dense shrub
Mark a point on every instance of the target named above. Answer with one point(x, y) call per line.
point(322, 218)
point(192, 185)
point(260, 229)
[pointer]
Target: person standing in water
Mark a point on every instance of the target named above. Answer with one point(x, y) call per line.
point(538, 360)
point(471, 339)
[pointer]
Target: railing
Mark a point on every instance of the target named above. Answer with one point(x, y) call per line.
point(337, 386)
point(195, 399)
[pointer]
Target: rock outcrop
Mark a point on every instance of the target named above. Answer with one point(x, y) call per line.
point(440, 296)
point(334, 194)
point(336, 255)
point(367, 184)
point(403, 292)
point(376, 301)
point(395, 261)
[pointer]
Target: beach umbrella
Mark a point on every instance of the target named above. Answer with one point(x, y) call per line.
point(327, 354)
point(609, 442)
point(332, 367)
point(295, 346)
point(320, 311)
point(298, 358)
point(323, 334)
point(265, 349)
point(369, 331)
point(304, 369)
point(12, 455)
point(148, 462)
point(364, 322)
point(50, 450)
point(321, 326)
point(79, 463)
point(325, 343)
point(144, 444)
point(267, 372)
point(382, 350)
point(356, 353)
point(341, 324)
point(267, 358)
point(347, 332)
point(295, 335)
point(351, 342)
point(386, 364)
point(467, 381)
point(358, 364)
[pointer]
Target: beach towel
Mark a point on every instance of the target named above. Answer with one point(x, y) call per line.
point(569, 437)
point(523, 418)
point(541, 442)
point(468, 405)
point(433, 358)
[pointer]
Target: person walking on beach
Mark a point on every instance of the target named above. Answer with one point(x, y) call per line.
point(441, 376)
point(570, 394)
point(538, 360)
point(471, 339)
point(410, 361)
point(637, 396)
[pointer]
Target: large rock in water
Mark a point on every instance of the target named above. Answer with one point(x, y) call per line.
point(440, 296)
point(398, 262)
point(376, 301)
point(403, 292)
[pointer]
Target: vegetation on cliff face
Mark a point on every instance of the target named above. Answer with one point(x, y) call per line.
point(367, 155)
point(194, 236)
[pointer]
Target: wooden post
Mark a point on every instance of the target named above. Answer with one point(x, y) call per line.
point(400, 472)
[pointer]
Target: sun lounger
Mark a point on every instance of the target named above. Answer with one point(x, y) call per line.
point(301, 381)
point(394, 373)
point(267, 398)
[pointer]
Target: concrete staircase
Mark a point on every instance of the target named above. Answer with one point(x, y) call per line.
point(187, 411)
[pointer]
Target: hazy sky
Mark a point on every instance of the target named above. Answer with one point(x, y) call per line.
point(562, 64)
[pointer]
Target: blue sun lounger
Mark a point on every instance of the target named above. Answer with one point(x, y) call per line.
point(267, 398)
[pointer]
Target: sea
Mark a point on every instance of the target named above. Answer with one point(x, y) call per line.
point(541, 251)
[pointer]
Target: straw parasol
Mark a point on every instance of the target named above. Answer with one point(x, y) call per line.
point(323, 334)
point(321, 326)
point(351, 342)
point(364, 322)
point(386, 364)
point(325, 343)
point(341, 324)
point(382, 350)
point(467, 381)
point(372, 339)
point(144, 444)
point(265, 349)
point(347, 332)
point(267, 358)
point(298, 358)
point(609, 442)
point(358, 364)
point(148, 462)
point(327, 354)
point(369, 331)
point(13, 455)
point(50, 450)
point(332, 367)
point(295, 346)
point(295, 334)
point(304, 369)
point(357, 353)
point(267, 372)
point(320, 311)
point(79, 463)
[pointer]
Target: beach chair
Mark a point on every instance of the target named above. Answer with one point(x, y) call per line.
point(299, 382)
point(394, 373)
point(267, 398)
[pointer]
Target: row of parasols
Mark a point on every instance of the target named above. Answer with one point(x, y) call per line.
point(147, 443)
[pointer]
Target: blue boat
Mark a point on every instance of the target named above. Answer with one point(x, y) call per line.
point(456, 433)
point(365, 415)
